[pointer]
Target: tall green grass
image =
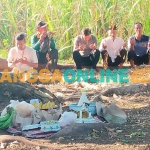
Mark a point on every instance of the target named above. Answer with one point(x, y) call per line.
point(67, 17)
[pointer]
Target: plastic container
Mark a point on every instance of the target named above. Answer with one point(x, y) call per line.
point(52, 125)
point(91, 108)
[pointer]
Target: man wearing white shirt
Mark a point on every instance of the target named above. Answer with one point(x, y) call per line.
point(22, 57)
point(112, 49)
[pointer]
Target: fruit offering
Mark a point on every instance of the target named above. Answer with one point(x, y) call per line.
point(45, 105)
point(6, 120)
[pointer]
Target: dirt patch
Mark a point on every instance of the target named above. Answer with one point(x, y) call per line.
point(134, 134)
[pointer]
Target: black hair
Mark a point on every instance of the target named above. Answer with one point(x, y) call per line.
point(138, 23)
point(86, 31)
point(41, 24)
point(20, 37)
point(112, 27)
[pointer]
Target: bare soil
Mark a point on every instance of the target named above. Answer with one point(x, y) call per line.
point(134, 134)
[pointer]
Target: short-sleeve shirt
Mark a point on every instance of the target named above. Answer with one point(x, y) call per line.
point(113, 46)
point(80, 41)
point(140, 46)
point(28, 52)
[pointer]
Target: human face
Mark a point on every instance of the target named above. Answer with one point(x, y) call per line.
point(138, 29)
point(20, 44)
point(112, 33)
point(86, 38)
point(42, 29)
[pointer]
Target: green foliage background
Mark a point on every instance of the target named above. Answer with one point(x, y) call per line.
point(67, 17)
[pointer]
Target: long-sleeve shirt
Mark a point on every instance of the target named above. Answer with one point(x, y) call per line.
point(36, 44)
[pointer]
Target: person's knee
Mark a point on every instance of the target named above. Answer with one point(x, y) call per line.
point(131, 52)
point(131, 55)
point(53, 54)
point(76, 54)
point(97, 52)
point(123, 52)
point(103, 52)
point(56, 53)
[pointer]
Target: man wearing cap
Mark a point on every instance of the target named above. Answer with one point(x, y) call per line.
point(138, 45)
point(112, 49)
point(22, 57)
point(44, 44)
point(85, 52)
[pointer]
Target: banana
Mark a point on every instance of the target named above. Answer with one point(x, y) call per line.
point(4, 118)
point(1, 123)
point(45, 105)
point(8, 122)
point(40, 105)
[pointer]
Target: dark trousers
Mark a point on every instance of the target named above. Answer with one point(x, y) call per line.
point(119, 59)
point(91, 60)
point(52, 55)
point(137, 59)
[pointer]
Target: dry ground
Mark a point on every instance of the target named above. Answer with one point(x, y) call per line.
point(134, 134)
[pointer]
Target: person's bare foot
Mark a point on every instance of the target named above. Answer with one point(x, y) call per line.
point(132, 64)
point(120, 65)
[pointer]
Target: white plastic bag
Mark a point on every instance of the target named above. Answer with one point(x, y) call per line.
point(36, 115)
point(13, 103)
point(24, 109)
point(34, 118)
point(99, 107)
point(67, 118)
point(21, 121)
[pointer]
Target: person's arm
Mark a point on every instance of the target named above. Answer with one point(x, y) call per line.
point(33, 60)
point(102, 46)
point(95, 41)
point(31, 64)
point(131, 42)
point(10, 59)
point(76, 44)
point(13, 63)
point(94, 45)
point(35, 42)
point(148, 44)
point(122, 44)
point(52, 44)
point(34, 65)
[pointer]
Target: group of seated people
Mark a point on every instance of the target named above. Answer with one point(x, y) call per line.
point(85, 51)
point(23, 58)
point(112, 48)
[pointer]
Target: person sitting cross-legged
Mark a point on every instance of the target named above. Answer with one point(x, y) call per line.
point(85, 52)
point(22, 57)
point(138, 46)
point(113, 49)
point(45, 47)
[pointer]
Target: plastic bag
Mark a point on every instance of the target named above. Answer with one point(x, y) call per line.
point(13, 103)
point(36, 115)
point(22, 121)
point(51, 114)
point(67, 118)
point(24, 109)
point(113, 114)
point(34, 118)
point(99, 106)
